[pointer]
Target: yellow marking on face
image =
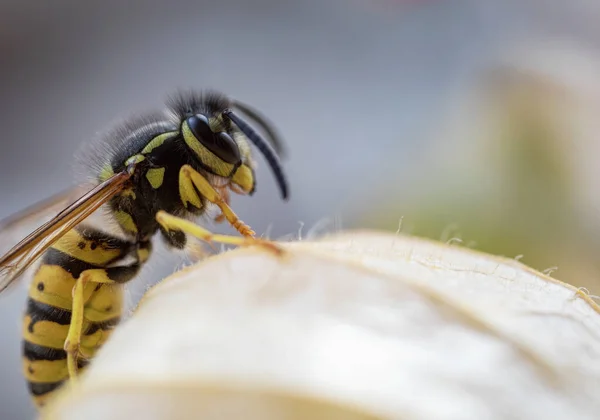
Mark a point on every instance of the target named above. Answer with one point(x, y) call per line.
point(134, 160)
point(126, 221)
point(106, 172)
point(207, 157)
point(244, 177)
point(187, 191)
point(155, 177)
point(157, 142)
point(143, 254)
point(90, 251)
point(45, 370)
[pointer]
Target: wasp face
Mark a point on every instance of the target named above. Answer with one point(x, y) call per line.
point(220, 143)
point(219, 139)
point(212, 145)
point(218, 152)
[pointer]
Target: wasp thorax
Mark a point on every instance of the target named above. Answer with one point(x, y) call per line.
point(221, 144)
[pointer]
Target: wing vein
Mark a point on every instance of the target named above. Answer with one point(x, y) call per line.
point(28, 250)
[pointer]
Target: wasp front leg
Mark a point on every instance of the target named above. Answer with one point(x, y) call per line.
point(226, 198)
point(191, 183)
point(225, 193)
point(172, 223)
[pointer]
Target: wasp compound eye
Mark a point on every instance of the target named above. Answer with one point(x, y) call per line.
point(172, 168)
point(221, 144)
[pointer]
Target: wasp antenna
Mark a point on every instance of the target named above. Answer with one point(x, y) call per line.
point(265, 148)
point(270, 130)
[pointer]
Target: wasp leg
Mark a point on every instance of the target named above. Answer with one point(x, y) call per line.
point(174, 223)
point(189, 178)
point(120, 274)
point(74, 335)
point(226, 197)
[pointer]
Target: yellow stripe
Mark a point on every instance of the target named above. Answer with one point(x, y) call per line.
point(126, 221)
point(93, 252)
point(45, 370)
point(45, 333)
point(53, 335)
point(57, 285)
point(157, 142)
point(155, 177)
point(207, 157)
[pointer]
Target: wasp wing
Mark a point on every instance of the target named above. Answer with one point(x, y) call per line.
point(13, 227)
point(26, 252)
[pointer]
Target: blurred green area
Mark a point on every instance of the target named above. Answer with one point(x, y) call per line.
point(516, 191)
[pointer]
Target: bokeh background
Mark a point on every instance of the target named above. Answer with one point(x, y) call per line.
point(473, 121)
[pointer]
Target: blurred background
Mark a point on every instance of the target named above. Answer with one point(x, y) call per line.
point(470, 121)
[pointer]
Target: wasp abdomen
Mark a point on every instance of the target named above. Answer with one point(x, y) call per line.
point(48, 313)
point(172, 163)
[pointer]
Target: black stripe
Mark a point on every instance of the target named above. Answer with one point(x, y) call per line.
point(104, 325)
point(72, 265)
point(41, 388)
point(39, 311)
point(108, 241)
point(36, 352)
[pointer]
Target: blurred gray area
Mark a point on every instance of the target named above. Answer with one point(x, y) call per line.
point(352, 85)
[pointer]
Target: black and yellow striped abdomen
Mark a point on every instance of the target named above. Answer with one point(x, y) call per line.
point(48, 314)
point(153, 173)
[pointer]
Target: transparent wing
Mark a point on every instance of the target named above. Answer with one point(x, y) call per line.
point(15, 227)
point(28, 250)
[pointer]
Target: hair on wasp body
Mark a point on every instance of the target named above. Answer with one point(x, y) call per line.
point(152, 174)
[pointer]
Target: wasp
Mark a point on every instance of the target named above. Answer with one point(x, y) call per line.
point(155, 173)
